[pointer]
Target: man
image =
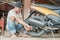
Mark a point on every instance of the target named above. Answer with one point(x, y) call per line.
point(14, 23)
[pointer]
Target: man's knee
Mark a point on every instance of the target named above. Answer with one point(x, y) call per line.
point(19, 26)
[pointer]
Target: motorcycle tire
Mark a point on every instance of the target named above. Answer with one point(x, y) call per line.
point(33, 33)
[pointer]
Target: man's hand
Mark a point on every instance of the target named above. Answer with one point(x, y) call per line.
point(28, 28)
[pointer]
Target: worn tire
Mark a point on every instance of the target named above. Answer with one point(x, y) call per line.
point(41, 32)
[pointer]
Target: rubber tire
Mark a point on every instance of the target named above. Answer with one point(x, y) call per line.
point(35, 34)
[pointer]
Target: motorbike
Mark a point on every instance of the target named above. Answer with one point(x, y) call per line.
point(48, 20)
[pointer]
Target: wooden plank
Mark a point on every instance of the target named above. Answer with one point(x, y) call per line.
point(26, 8)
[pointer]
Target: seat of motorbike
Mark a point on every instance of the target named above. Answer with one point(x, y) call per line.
point(54, 8)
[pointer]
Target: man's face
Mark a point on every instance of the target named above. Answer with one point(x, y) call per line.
point(18, 9)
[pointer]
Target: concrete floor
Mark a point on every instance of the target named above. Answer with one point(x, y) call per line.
point(20, 38)
point(43, 37)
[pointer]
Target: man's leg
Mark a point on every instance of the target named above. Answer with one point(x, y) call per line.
point(11, 28)
point(18, 27)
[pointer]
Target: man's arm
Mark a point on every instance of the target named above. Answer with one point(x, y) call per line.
point(20, 21)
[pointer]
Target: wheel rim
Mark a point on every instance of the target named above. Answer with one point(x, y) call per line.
point(37, 31)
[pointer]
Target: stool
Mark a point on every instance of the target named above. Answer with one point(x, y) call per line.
point(2, 25)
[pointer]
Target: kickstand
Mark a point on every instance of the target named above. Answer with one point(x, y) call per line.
point(53, 34)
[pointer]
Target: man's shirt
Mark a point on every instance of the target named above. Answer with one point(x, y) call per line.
point(14, 14)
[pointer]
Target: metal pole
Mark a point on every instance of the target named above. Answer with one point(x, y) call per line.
point(53, 2)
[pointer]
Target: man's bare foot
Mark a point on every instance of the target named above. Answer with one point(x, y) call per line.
point(13, 35)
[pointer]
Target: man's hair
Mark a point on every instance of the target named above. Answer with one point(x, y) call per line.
point(17, 4)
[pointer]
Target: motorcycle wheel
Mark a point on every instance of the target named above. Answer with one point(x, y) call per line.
point(37, 31)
